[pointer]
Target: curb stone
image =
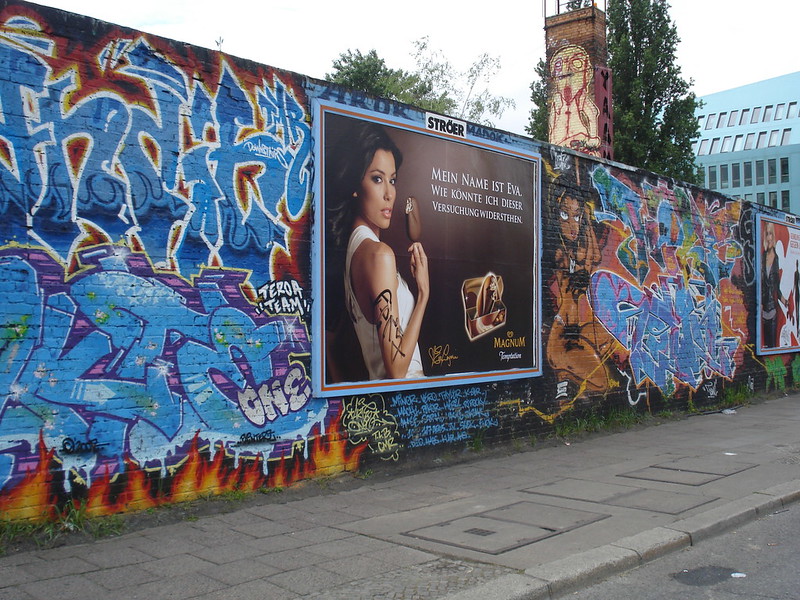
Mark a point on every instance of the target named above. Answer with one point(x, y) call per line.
point(508, 587)
point(577, 571)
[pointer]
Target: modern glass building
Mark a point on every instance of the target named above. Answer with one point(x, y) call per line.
point(749, 145)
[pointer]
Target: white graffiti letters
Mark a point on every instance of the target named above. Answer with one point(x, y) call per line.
point(276, 398)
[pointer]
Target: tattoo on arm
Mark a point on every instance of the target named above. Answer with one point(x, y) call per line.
point(392, 330)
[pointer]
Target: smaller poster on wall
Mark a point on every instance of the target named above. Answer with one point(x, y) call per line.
point(426, 255)
point(778, 281)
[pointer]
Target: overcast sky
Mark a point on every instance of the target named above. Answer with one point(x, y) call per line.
point(725, 43)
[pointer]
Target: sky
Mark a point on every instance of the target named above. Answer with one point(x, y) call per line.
point(724, 43)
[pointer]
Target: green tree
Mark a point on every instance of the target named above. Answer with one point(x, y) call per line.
point(369, 73)
point(654, 122)
point(435, 85)
point(537, 126)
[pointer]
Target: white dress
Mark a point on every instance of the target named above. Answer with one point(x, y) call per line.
point(367, 332)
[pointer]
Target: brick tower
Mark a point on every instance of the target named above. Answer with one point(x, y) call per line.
point(579, 82)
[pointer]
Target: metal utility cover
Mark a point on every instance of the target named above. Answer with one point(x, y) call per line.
point(672, 476)
point(707, 464)
point(582, 489)
point(506, 528)
point(671, 503)
point(690, 471)
point(624, 496)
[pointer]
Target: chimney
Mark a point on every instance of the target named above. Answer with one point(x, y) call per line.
point(579, 80)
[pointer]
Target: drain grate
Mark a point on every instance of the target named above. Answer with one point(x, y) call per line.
point(480, 532)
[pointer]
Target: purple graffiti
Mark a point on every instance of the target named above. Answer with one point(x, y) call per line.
point(673, 330)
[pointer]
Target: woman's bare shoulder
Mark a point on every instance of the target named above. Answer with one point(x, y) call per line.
point(373, 268)
point(374, 254)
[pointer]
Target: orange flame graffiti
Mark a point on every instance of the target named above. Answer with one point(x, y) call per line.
point(31, 499)
point(36, 496)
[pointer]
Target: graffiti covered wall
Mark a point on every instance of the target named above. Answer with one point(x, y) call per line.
point(156, 260)
point(155, 243)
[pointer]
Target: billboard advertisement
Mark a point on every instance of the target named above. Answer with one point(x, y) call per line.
point(778, 268)
point(426, 255)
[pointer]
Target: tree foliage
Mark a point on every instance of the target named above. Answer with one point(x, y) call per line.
point(369, 73)
point(654, 109)
point(434, 85)
point(540, 114)
point(654, 122)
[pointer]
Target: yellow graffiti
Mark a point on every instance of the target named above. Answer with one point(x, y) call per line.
point(366, 419)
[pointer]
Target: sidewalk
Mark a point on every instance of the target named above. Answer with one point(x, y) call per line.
point(530, 525)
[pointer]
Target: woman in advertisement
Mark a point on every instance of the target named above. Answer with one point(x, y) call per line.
point(360, 196)
point(770, 288)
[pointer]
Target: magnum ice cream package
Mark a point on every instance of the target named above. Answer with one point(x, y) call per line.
point(484, 310)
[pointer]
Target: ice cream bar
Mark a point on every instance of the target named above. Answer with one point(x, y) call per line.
point(413, 220)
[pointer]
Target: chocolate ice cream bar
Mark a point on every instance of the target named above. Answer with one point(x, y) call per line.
point(413, 220)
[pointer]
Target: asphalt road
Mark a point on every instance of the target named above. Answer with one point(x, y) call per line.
point(758, 561)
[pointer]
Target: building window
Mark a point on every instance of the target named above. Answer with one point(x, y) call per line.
point(748, 197)
point(773, 138)
point(785, 201)
point(760, 197)
point(785, 170)
point(759, 172)
point(748, 174)
point(745, 116)
point(786, 138)
point(738, 142)
point(712, 178)
point(736, 177)
point(721, 120)
point(723, 177)
point(727, 143)
point(703, 148)
point(772, 171)
point(773, 199)
point(748, 142)
point(710, 121)
point(791, 112)
point(779, 111)
point(767, 113)
point(714, 146)
point(732, 119)
point(756, 115)
point(762, 140)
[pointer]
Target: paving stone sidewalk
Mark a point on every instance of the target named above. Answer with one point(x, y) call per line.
point(534, 524)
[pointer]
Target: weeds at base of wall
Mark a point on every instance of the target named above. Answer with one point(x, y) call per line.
point(49, 533)
point(365, 474)
point(477, 442)
point(738, 395)
point(615, 419)
point(732, 397)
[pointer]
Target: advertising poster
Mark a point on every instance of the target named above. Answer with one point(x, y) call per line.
point(778, 264)
point(427, 249)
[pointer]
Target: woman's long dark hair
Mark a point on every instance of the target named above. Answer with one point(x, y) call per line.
point(347, 163)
